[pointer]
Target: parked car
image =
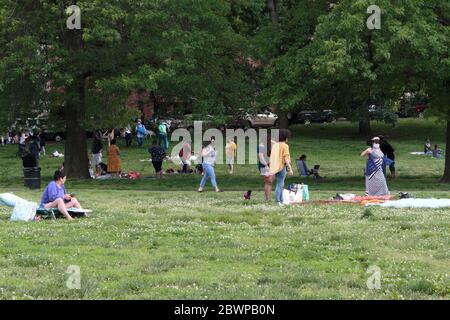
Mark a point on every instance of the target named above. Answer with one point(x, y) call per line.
point(264, 118)
point(313, 116)
point(50, 133)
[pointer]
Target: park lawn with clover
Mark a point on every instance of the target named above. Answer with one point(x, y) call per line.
point(184, 245)
point(152, 239)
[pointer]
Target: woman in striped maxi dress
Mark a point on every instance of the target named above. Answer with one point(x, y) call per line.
point(375, 180)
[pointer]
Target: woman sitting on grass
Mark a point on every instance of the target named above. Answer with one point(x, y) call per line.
point(55, 196)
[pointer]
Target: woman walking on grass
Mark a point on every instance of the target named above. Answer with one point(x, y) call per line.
point(209, 155)
point(280, 163)
point(375, 180)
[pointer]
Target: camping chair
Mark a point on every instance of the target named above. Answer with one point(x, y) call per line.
point(54, 213)
point(47, 213)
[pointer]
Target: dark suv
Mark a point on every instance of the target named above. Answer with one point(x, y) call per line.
point(313, 116)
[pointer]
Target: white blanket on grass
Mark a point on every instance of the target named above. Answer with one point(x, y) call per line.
point(414, 203)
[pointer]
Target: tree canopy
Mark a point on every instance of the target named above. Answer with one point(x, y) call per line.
point(216, 55)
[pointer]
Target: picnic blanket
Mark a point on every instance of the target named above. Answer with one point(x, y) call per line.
point(354, 199)
point(358, 199)
point(414, 203)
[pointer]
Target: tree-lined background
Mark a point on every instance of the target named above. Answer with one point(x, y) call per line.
point(217, 57)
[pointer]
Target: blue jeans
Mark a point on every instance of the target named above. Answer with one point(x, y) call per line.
point(281, 176)
point(208, 171)
point(165, 141)
point(140, 141)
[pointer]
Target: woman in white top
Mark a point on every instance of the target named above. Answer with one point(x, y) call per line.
point(209, 155)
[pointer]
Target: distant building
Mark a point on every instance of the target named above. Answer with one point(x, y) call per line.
point(142, 101)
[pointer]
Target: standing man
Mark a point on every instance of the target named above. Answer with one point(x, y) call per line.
point(162, 130)
point(141, 131)
point(388, 151)
point(97, 149)
point(30, 153)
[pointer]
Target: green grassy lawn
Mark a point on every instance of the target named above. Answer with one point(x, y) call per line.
point(152, 239)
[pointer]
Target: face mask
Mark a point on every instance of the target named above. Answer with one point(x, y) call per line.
point(376, 146)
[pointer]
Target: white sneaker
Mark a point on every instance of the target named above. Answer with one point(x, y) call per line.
point(281, 204)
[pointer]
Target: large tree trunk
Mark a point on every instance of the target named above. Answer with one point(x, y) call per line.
point(76, 160)
point(76, 157)
point(272, 6)
point(365, 130)
point(446, 177)
point(283, 121)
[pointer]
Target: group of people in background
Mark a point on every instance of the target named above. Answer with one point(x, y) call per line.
point(274, 159)
point(10, 138)
point(435, 152)
point(274, 163)
point(113, 167)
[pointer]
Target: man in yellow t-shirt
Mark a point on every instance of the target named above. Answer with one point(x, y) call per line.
point(230, 150)
point(280, 160)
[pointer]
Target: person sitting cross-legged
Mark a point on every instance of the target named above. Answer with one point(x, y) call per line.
point(304, 171)
point(55, 196)
point(437, 153)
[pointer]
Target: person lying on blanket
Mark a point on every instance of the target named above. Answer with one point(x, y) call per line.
point(55, 196)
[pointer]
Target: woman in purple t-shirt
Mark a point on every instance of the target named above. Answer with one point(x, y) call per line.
point(55, 196)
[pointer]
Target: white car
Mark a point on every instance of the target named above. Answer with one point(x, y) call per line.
point(265, 118)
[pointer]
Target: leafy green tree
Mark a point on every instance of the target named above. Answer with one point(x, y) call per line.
point(181, 50)
point(323, 54)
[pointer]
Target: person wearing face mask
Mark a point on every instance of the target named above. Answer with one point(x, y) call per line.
point(209, 155)
point(375, 180)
